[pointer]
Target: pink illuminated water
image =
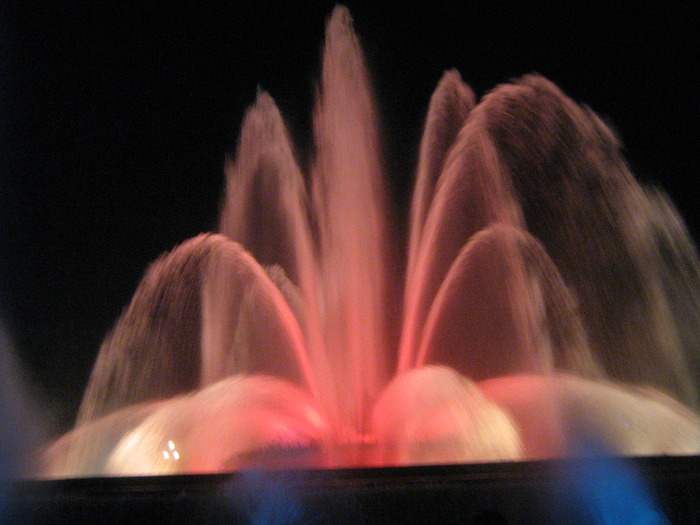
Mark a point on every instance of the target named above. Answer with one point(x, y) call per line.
point(548, 298)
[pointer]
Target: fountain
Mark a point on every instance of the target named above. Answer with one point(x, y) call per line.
point(550, 300)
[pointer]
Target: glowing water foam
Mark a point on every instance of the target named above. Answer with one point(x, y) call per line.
point(549, 298)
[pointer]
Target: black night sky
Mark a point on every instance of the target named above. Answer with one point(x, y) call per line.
point(115, 120)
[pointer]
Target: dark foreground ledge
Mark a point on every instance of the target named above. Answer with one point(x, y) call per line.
point(639, 490)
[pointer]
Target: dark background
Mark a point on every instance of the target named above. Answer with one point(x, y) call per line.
point(115, 120)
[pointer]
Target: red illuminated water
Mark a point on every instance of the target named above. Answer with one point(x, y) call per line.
point(548, 299)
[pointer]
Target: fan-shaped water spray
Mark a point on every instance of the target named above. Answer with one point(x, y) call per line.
point(548, 297)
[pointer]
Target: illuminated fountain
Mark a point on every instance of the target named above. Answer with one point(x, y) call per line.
point(549, 300)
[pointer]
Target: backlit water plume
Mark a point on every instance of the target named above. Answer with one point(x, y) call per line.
point(549, 299)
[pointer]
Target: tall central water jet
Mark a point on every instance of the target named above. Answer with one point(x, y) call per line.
point(548, 297)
